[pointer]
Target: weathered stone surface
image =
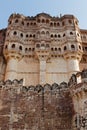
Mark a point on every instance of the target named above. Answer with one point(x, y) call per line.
point(36, 108)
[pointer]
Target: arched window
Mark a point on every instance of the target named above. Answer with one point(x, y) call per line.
point(65, 48)
point(33, 35)
point(59, 36)
point(42, 45)
point(47, 21)
point(59, 49)
point(79, 47)
point(72, 47)
point(55, 35)
point(29, 49)
point(51, 35)
point(28, 24)
point(38, 45)
point(71, 33)
point(43, 21)
point(16, 21)
point(31, 23)
point(26, 35)
point(15, 33)
point(85, 48)
point(38, 20)
point(64, 35)
point(26, 49)
point(47, 45)
point(52, 49)
point(30, 35)
point(22, 23)
point(70, 21)
point(55, 24)
point(21, 34)
point(47, 33)
point(13, 46)
point(43, 33)
point(58, 24)
point(51, 24)
point(20, 47)
point(34, 23)
point(6, 46)
point(55, 49)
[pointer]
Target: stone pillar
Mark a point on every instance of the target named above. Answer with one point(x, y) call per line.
point(11, 69)
point(42, 72)
point(72, 66)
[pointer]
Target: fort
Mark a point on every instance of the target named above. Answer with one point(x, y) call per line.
point(43, 73)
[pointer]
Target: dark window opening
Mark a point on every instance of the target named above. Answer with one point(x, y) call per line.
point(34, 35)
point(26, 35)
point(55, 35)
point(51, 35)
point(65, 48)
point(43, 21)
point(59, 35)
point(30, 35)
point(21, 34)
point(15, 33)
point(58, 24)
point(29, 49)
point(59, 49)
point(79, 47)
point(71, 33)
point(22, 23)
point(33, 49)
point(47, 45)
point(47, 21)
point(38, 20)
point(37, 45)
point(55, 49)
point(6, 46)
point(64, 35)
point(13, 46)
point(55, 24)
point(70, 21)
point(51, 24)
point(72, 47)
point(20, 47)
point(85, 48)
point(52, 49)
point(27, 24)
point(16, 21)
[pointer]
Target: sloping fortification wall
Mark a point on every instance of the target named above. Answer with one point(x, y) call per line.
point(35, 107)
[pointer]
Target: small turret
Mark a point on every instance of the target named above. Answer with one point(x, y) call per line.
point(73, 48)
point(13, 51)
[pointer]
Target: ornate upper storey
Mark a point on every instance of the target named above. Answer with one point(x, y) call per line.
point(46, 46)
point(59, 35)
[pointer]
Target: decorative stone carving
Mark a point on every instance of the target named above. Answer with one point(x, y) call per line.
point(63, 85)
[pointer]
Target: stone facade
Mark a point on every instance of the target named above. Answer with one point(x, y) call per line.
point(43, 73)
point(43, 49)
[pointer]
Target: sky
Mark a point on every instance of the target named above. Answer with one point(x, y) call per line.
point(53, 7)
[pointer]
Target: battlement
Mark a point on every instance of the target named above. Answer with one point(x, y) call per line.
point(24, 107)
point(41, 104)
